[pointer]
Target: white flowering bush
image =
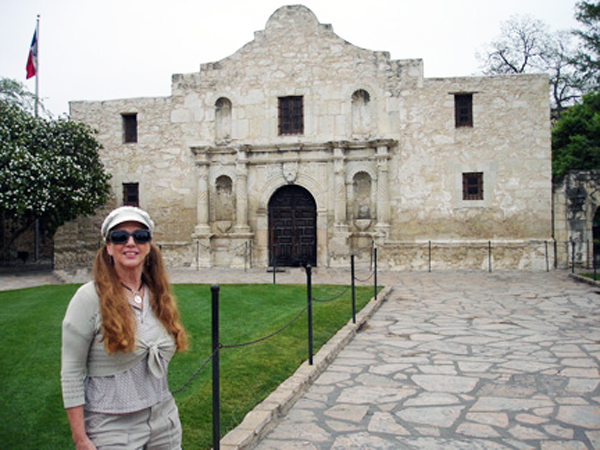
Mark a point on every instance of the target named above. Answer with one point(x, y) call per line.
point(49, 169)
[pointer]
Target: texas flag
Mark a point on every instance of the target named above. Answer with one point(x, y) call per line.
point(32, 61)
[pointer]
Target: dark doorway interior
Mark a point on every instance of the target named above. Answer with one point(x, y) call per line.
point(292, 227)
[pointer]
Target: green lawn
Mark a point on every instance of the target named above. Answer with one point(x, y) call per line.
point(31, 406)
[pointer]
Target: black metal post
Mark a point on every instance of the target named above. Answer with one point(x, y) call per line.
point(587, 253)
point(572, 256)
point(547, 263)
point(490, 255)
point(309, 309)
point(36, 237)
point(430, 256)
point(353, 290)
point(594, 256)
point(375, 267)
point(215, 368)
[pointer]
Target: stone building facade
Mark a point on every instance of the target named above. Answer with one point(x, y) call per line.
point(303, 148)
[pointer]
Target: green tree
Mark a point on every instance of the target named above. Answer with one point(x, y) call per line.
point(588, 57)
point(576, 137)
point(14, 93)
point(49, 169)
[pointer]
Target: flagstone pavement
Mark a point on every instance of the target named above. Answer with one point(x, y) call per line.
point(446, 360)
point(461, 361)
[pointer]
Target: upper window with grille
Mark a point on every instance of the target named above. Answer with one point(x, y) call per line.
point(291, 115)
point(463, 110)
point(131, 194)
point(473, 186)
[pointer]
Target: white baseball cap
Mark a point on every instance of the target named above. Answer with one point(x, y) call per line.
point(126, 214)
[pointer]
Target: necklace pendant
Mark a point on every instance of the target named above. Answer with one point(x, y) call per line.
point(137, 299)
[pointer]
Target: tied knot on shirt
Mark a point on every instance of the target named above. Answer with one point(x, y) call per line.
point(155, 360)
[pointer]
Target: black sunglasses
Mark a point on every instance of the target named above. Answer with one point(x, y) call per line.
point(122, 236)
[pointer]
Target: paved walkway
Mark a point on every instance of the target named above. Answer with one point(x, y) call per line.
point(461, 361)
point(10, 281)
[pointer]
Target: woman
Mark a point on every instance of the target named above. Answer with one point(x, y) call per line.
point(119, 334)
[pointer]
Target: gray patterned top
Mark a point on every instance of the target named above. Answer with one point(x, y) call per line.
point(136, 388)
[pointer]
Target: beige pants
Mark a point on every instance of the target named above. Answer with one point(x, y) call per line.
point(154, 428)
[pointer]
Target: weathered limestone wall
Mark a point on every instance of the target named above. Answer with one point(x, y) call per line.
point(509, 142)
point(159, 162)
point(469, 255)
point(294, 56)
point(76, 243)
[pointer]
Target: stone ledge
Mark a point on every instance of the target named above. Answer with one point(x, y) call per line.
point(585, 279)
point(270, 411)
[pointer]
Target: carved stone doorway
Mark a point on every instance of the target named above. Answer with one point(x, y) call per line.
point(292, 227)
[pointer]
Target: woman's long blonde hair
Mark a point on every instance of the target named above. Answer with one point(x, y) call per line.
point(118, 321)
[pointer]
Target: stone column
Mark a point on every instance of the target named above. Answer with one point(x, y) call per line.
point(383, 196)
point(202, 216)
point(241, 194)
point(339, 246)
point(202, 232)
point(340, 187)
point(240, 243)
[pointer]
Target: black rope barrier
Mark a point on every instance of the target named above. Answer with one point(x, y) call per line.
point(275, 333)
point(333, 298)
point(217, 346)
point(244, 344)
point(309, 309)
point(195, 374)
point(366, 279)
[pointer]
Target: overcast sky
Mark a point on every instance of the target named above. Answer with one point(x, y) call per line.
point(110, 49)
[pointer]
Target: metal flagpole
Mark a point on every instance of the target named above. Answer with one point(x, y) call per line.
point(37, 65)
point(37, 96)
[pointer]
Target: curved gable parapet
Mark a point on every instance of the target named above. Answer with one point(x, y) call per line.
point(294, 42)
point(293, 17)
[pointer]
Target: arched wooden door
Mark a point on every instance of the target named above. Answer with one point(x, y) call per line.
point(292, 227)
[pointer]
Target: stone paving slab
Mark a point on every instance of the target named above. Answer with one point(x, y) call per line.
point(459, 361)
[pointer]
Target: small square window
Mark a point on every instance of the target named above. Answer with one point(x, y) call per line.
point(131, 194)
point(473, 186)
point(291, 115)
point(129, 128)
point(463, 110)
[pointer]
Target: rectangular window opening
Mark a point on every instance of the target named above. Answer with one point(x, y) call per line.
point(291, 115)
point(131, 194)
point(473, 186)
point(463, 110)
point(129, 128)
